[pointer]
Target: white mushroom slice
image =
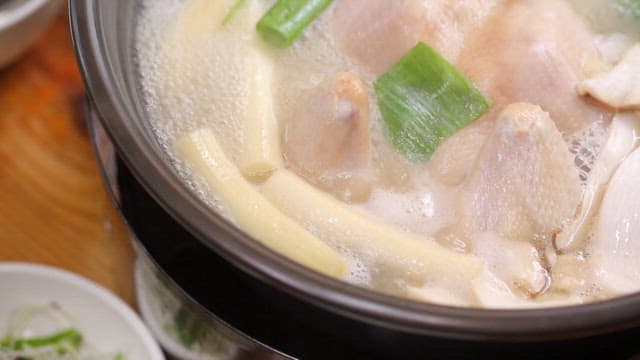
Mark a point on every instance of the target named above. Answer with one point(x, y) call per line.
point(612, 47)
point(437, 295)
point(616, 243)
point(620, 87)
point(622, 139)
point(524, 183)
point(494, 294)
point(568, 274)
point(491, 292)
point(327, 141)
point(516, 263)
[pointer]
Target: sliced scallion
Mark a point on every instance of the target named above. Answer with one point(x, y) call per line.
point(69, 338)
point(287, 19)
point(233, 11)
point(423, 100)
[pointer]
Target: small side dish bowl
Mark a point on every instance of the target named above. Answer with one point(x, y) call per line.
point(102, 318)
point(21, 22)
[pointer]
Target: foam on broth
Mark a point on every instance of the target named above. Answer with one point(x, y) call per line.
point(191, 80)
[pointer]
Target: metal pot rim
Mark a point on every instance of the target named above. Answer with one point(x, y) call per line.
point(158, 178)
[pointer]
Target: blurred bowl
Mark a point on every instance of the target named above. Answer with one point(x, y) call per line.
point(102, 318)
point(21, 23)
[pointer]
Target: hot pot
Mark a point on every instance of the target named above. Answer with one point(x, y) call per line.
point(267, 298)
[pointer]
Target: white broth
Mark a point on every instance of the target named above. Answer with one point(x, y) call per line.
point(291, 143)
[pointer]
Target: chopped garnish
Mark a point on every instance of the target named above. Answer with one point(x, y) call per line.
point(63, 341)
point(423, 100)
point(287, 19)
point(233, 11)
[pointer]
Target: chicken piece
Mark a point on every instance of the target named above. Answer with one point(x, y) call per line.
point(544, 77)
point(622, 139)
point(521, 190)
point(620, 87)
point(392, 170)
point(453, 160)
point(616, 242)
point(449, 23)
point(326, 140)
point(524, 183)
point(376, 32)
point(379, 32)
point(532, 51)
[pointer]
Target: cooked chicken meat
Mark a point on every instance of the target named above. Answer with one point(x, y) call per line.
point(326, 139)
point(537, 63)
point(533, 51)
point(378, 32)
point(524, 184)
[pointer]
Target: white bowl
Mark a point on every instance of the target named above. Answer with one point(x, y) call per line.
point(21, 22)
point(102, 318)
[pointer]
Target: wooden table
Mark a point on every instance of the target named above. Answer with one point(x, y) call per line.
point(53, 207)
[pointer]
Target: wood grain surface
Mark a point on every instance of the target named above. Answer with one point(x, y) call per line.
point(53, 207)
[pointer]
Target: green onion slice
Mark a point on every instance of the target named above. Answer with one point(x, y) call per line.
point(287, 19)
point(62, 339)
point(233, 11)
point(423, 100)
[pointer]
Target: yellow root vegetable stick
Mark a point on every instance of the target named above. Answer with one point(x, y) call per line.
point(251, 211)
point(419, 259)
